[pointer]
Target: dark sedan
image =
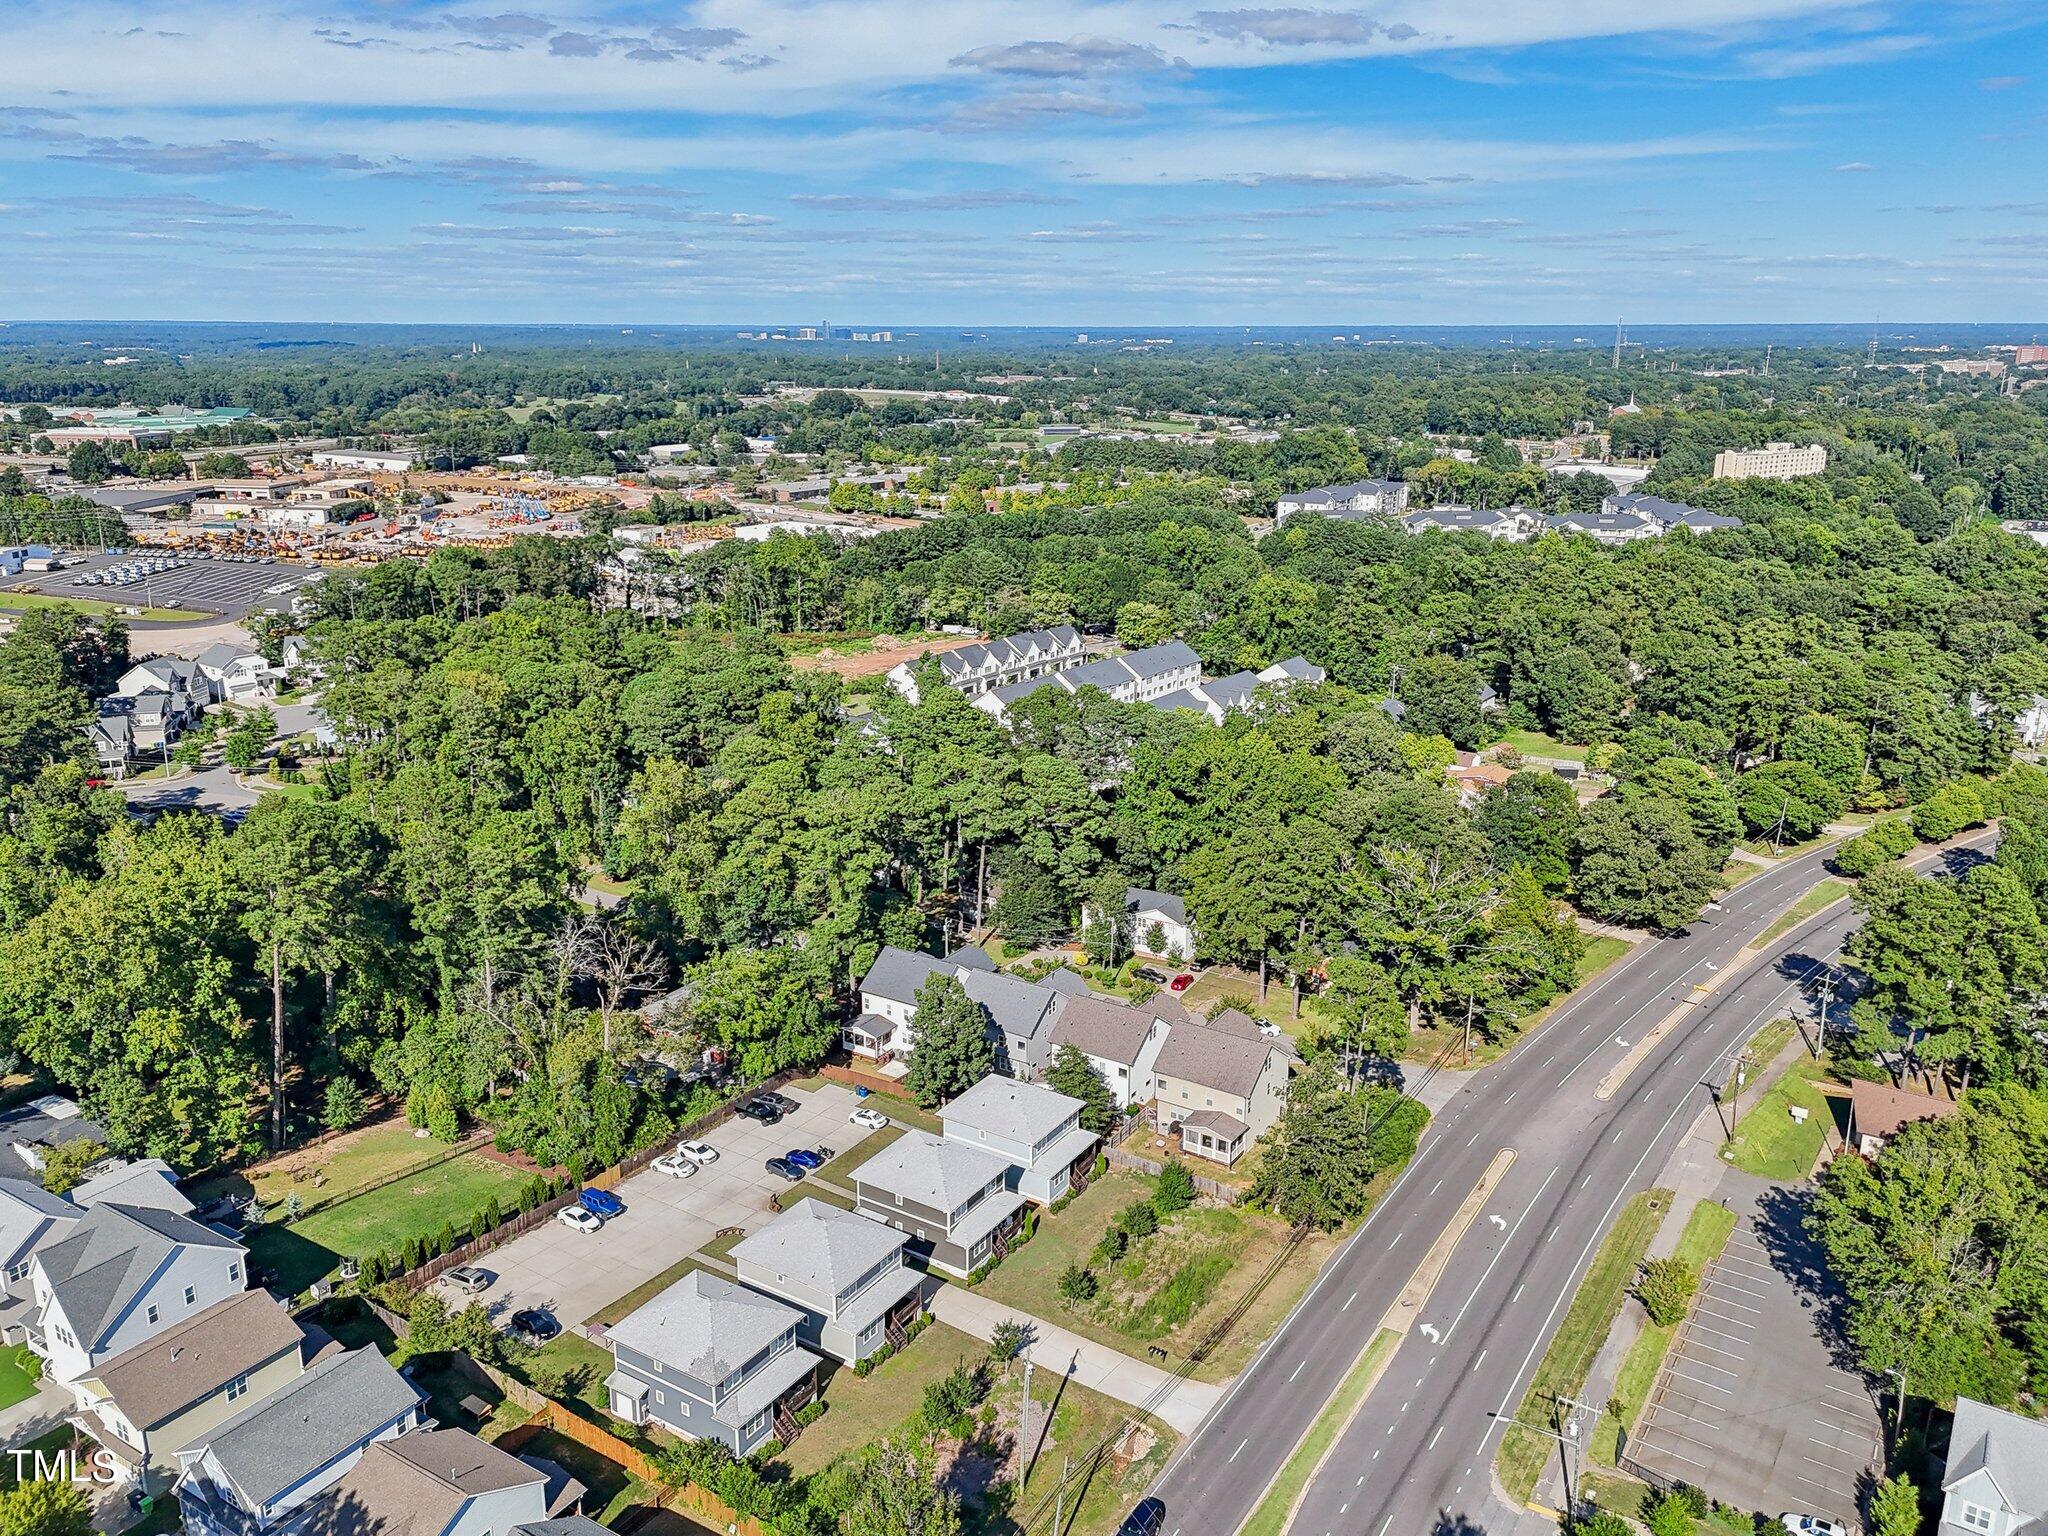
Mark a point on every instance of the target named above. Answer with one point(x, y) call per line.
point(761, 1110)
point(783, 1168)
point(536, 1325)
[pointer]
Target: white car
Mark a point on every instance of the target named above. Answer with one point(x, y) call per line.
point(578, 1219)
point(873, 1119)
point(698, 1152)
point(1812, 1525)
point(676, 1166)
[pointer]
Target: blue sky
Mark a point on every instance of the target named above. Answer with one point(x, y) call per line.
point(1063, 162)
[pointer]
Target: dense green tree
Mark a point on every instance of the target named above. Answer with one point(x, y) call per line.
point(1073, 1074)
point(1533, 820)
point(951, 1048)
point(1642, 863)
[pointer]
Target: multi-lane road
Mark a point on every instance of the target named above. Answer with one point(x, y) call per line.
point(1417, 1459)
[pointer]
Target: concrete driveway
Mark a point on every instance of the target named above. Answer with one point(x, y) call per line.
point(575, 1275)
point(213, 791)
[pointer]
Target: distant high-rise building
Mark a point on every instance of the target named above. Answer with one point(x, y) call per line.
point(1773, 461)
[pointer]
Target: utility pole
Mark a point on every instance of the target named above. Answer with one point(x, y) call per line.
point(1059, 1496)
point(1615, 366)
point(1024, 1436)
point(1737, 1082)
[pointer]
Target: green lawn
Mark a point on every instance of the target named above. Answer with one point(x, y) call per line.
point(1536, 744)
point(19, 1371)
point(1768, 1142)
point(23, 601)
point(864, 1408)
point(1170, 1288)
point(841, 1169)
point(1825, 894)
point(1705, 1235)
point(1270, 1518)
point(380, 1218)
point(1587, 1321)
point(1789, 850)
point(611, 1488)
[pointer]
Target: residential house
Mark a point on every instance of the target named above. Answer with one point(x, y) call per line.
point(175, 1388)
point(1996, 1482)
point(261, 1471)
point(1878, 1112)
point(30, 1218)
point(1134, 677)
point(147, 1181)
point(1512, 524)
point(976, 669)
point(1121, 1043)
point(1035, 1129)
point(1360, 499)
point(1159, 924)
point(238, 674)
point(29, 1131)
point(182, 680)
point(121, 1275)
point(1611, 527)
point(843, 1272)
point(713, 1361)
point(1238, 692)
point(438, 1482)
point(1222, 1083)
point(1020, 1013)
point(1669, 514)
point(954, 1201)
point(110, 735)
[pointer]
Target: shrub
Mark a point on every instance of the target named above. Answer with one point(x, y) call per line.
point(1101, 1164)
point(810, 1413)
point(1112, 1245)
point(1078, 1284)
point(1667, 1514)
point(1950, 809)
point(1174, 1191)
point(1665, 1287)
point(953, 1396)
point(444, 1240)
point(343, 1106)
point(1060, 1204)
point(1138, 1219)
point(428, 1317)
point(1005, 1340)
point(1886, 840)
point(441, 1120)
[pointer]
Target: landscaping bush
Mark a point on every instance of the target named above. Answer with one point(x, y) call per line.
point(1060, 1204)
point(1667, 1514)
point(1950, 809)
point(1111, 1246)
point(1174, 1190)
point(1886, 840)
point(1138, 1219)
point(1603, 1523)
point(886, 1352)
point(1101, 1165)
point(1005, 1341)
point(949, 1400)
point(344, 1105)
point(1078, 1284)
point(1665, 1289)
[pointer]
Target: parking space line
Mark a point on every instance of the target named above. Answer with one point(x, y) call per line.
point(1712, 1349)
point(1717, 1333)
point(1732, 1322)
point(1707, 1365)
point(1722, 1283)
point(1662, 1451)
point(1721, 1300)
point(1704, 1386)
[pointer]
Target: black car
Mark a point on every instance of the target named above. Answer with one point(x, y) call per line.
point(1145, 1520)
point(783, 1168)
point(536, 1325)
point(783, 1102)
point(761, 1110)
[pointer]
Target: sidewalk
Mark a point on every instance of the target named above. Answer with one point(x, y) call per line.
point(1182, 1404)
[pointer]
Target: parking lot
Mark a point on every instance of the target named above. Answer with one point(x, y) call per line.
point(203, 583)
point(574, 1275)
point(1751, 1404)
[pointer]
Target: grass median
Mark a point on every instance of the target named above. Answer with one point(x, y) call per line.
point(1566, 1364)
point(1825, 894)
point(1271, 1517)
point(1705, 1235)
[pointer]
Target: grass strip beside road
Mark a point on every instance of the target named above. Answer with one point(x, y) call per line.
point(1769, 1142)
point(1587, 1321)
point(1705, 1235)
point(1276, 1509)
point(1825, 894)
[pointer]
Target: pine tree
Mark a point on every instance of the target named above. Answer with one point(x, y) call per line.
point(950, 1049)
point(1073, 1074)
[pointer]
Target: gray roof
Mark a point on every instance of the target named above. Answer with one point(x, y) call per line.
point(1004, 1106)
point(1214, 1058)
point(2012, 1448)
point(1676, 513)
point(933, 1171)
point(1393, 709)
point(1111, 1031)
point(28, 1212)
point(198, 1357)
point(277, 1442)
point(418, 1484)
point(1009, 651)
point(1601, 522)
point(109, 1258)
point(1172, 908)
point(705, 1326)
point(1335, 493)
point(146, 1182)
point(1064, 982)
point(38, 1125)
point(1234, 691)
point(1182, 698)
point(223, 654)
point(973, 957)
point(1108, 673)
point(898, 973)
point(1017, 1006)
point(1455, 518)
point(820, 1246)
point(1216, 1123)
point(1298, 668)
point(1169, 656)
point(563, 1525)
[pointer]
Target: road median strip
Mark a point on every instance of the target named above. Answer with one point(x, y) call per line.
point(1275, 1513)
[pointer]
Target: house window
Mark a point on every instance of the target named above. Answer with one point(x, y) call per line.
point(661, 1398)
point(150, 1314)
point(239, 1387)
point(1976, 1517)
point(235, 1273)
point(17, 1273)
point(191, 1295)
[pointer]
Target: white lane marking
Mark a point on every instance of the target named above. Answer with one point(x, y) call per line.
point(1732, 1338)
point(1504, 1103)
point(1247, 1440)
point(1665, 1450)
point(1480, 1361)
point(1659, 996)
point(1296, 1371)
point(1475, 1137)
point(1347, 1302)
point(1434, 1438)
point(1503, 1248)
point(1691, 1344)
point(1518, 1294)
point(1723, 1283)
point(1741, 1306)
point(1704, 1386)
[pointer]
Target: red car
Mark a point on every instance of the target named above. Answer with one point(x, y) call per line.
point(1181, 982)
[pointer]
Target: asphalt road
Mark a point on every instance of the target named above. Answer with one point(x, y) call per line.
point(1418, 1457)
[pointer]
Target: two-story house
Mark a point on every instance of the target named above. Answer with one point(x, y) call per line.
point(1996, 1482)
point(1222, 1084)
point(1035, 1129)
point(121, 1275)
point(1121, 1042)
point(1360, 498)
point(438, 1482)
point(1020, 1014)
point(713, 1361)
point(236, 673)
point(150, 1402)
point(1159, 924)
point(30, 1217)
point(260, 1472)
point(952, 1200)
point(844, 1273)
point(975, 669)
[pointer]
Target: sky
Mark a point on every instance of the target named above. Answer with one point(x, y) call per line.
point(1065, 162)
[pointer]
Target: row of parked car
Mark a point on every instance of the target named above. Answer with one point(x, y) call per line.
point(130, 574)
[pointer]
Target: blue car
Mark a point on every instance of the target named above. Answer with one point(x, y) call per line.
point(804, 1158)
point(601, 1202)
